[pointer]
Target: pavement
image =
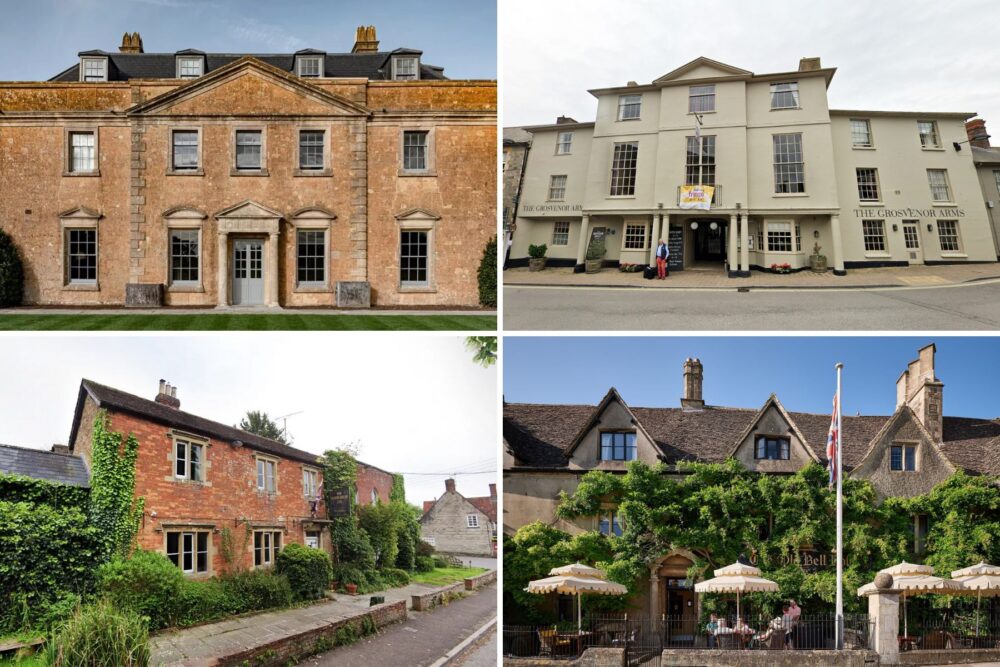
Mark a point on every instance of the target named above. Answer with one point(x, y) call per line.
point(962, 306)
point(249, 310)
point(478, 561)
point(482, 653)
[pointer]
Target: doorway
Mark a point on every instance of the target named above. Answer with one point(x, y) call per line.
point(680, 610)
point(710, 241)
point(248, 272)
point(911, 236)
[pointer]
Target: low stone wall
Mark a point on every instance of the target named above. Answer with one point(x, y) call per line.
point(592, 657)
point(437, 596)
point(310, 642)
point(954, 656)
point(720, 658)
point(472, 583)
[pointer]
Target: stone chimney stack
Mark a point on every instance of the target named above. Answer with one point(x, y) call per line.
point(364, 40)
point(168, 396)
point(493, 491)
point(976, 131)
point(449, 485)
point(561, 120)
point(809, 64)
point(693, 374)
point(918, 388)
point(131, 43)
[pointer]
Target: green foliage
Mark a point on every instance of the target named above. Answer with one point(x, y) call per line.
point(488, 275)
point(147, 584)
point(407, 552)
point(259, 423)
point(255, 590)
point(114, 510)
point(424, 548)
point(424, 564)
point(231, 553)
point(20, 489)
point(382, 524)
point(308, 570)
point(397, 494)
point(537, 251)
point(102, 634)
point(45, 554)
point(200, 601)
point(485, 349)
point(395, 577)
point(12, 272)
point(348, 573)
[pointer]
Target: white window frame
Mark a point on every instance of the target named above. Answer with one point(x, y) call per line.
point(430, 165)
point(705, 92)
point(564, 144)
point(557, 187)
point(324, 168)
point(793, 88)
point(251, 171)
point(417, 220)
point(628, 238)
point(777, 139)
point(628, 102)
point(862, 186)
point(189, 59)
point(868, 131)
point(318, 60)
point(620, 181)
point(172, 169)
point(613, 519)
point(311, 482)
point(400, 76)
point(777, 236)
point(935, 135)
point(868, 231)
point(323, 281)
point(307, 537)
point(68, 279)
point(472, 521)
point(271, 543)
point(68, 166)
point(194, 551)
point(261, 470)
point(189, 444)
point(957, 230)
point(949, 196)
point(93, 59)
point(560, 233)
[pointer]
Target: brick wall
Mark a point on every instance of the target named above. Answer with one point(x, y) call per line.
point(369, 479)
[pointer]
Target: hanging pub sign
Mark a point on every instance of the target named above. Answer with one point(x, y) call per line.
point(810, 560)
point(697, 197)
point(340, 502)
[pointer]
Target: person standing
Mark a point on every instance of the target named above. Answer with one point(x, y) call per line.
point(662, 255)
point(791, 614)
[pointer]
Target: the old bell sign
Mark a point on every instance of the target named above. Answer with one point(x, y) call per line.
point(340, 502)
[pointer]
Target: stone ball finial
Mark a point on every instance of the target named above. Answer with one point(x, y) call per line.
point(883, 581)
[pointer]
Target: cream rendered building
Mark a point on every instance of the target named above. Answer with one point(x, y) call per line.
point(870, 188)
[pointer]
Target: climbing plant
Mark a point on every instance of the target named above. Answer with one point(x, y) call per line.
point(114, 509)
point(351, 544)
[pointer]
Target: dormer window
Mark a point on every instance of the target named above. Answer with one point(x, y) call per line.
point(903, 458)
point(94, 69)
point(776, 449)
point(618, 447)
point(405, 68)
point(310, 66)
point(190, 67)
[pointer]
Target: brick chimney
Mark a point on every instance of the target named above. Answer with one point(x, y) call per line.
point(976, 130)
point(131, 43)
point(168, 396)
point(449, 485)
point(918, 388)
point(60, 449)
point(493, 491)
point(364, 40)
point(562, 120)
point(809, 64)
point(693, 374)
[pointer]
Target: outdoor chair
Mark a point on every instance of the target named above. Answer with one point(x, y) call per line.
point(727, 641)
point(552, 643)
point(777, 641)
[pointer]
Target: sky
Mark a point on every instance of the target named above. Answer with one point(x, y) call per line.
point(413, 403)
point(744, 371)
point(40, 38)
point(910, 55)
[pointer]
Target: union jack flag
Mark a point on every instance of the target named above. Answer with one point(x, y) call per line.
point(832, 442)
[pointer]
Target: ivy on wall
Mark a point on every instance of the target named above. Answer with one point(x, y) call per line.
point(351, 544)
point(21, 489)
point(114, 509)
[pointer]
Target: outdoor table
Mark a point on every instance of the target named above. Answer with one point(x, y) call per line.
point(908, 643)
point(578, 641)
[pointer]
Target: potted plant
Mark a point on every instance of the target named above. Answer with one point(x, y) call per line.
point(537, 254)
point(595, 256)
point(781, 268)
point(352, 589)
point(817, 262)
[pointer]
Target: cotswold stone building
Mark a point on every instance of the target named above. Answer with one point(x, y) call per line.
point(871, 188)
point(205, 179)
point(455, 524)
point(548, 448)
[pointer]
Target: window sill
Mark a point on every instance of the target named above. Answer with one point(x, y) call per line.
point(945, 204)
point(248, 172)
point(871, 202)
point(176, 288)
point(561, 154)
point(700, 113)
point(783, 195)
point(193, 482)
point(863, 148)
point(932, 149)
point(786, 108)
point(417, 289)
point(185, 172)
point(555, 200)
point(409, 172)
point(954, 255)
point(626, 120)
point(620, 197)
point(311, 289)
point(312, 172)
point(878, 255)
point(81, 287)
point(82, 174)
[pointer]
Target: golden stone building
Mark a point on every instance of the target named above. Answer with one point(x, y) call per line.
point(200, 179)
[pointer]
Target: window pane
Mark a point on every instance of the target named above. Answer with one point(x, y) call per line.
point(202, 552)
point(184, 256)
point(629, 106)
point(180, 459)
point(630, 446)
point(557, 187)
point(861, 134)
point(258, 541)
point(190, 67)
point(81, 255)
point(415, 151)
point(187, 555)
point(173, 548)
point(248, 144)
point(623, 169)
point(789, 168)
point(635, 236)
point(196, 463)
point(911, 458)
point(701, 99)
point(699, 165)
point(948, 235)
point(895, 458)
point(564, 143)
point(928, 134)
point(185, 149)
point(309, 67)
point(560, 233)
point(406, 68)
point(873, 232)
point(606, 446)
point(784, 95)
point(868, 184)
point(311, 149)
point(82, 151)
point(311, 256)
point(938, 179)
point(260, 474)
point(413, 257)
point(604, 524)
point(779, 237)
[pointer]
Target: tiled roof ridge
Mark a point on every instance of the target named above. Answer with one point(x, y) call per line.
point(36, 449)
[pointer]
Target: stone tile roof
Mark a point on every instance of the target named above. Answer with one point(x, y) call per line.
point(40, 464)
point(538, 434)
point(125, 66)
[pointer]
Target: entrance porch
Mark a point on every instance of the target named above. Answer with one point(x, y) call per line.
point(247, 259)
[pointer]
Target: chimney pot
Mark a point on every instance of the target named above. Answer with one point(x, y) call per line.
point(131, 43)
point(364, 40)
point(975, 129)
point(168, 395)
point(493, 490)
point(449, 485)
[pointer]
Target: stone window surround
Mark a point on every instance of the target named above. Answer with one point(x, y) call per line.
point(79, 218)
point(916, 456)
point(68, 132)
point(83, 67)
point(431, 169)
point(397, 58)
point(243, 127)
point(176, 435)
point(327, 170)
point(185, 217)
point(319, 479)
point(263, 457)
point(761, 435)
point(272, 530)
point(177, 65)
point(200, 170)
point(193, 528)
point(417, 220)
point(322, 65)
point(312, 218)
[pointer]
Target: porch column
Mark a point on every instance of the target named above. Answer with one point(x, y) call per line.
point(744, 267)
point(654, 238)
point(581, 249)
point(654, 594)
point(222, 269)
point(838, 247)
point(271, 289)
point(731, 238)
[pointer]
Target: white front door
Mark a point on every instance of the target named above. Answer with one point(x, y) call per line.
point(248, 272)
point(911, 235)
point(312, 539)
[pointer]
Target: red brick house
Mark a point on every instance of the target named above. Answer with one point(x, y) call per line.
point(202, 479)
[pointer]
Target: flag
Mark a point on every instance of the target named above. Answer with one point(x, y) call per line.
point(832, 443)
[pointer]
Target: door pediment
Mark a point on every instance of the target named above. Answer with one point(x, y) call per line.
point(249, 216)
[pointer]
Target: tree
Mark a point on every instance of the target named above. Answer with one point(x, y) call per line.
point(258, 423)
point(485, 349)
point(11, 273)
point(488, 275)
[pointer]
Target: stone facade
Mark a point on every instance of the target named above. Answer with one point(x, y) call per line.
point(456, 526)
point(360, 202)
point(516, 144)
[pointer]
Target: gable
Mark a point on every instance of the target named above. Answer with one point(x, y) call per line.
point(613, 416)
point(702, 68)
point(773, 421)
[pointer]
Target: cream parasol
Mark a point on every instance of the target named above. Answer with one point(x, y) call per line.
point(576, 579)
point(981, 578)
point(736, 578)
point(910, 578)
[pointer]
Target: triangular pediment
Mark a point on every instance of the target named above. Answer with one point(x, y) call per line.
point(248, 209)
point(611, 414)
point(80, 212)
point(703, 68)
point(773, 421)
point(249, 87)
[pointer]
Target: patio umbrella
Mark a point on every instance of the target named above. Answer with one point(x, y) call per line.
point(909, 578)
point(981, 578)
point(576, 579)
point(736, 578)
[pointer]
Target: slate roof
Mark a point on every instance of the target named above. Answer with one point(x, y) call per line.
point(40, 464)
point(125, 66)
point(538, 434)
point(115, 399)
point(986, 155)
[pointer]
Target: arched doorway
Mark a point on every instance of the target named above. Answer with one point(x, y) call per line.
point(672, 596)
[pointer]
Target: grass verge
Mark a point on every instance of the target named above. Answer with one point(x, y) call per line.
point(440, 576)
point(248, 322)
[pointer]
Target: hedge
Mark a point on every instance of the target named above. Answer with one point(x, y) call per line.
point(147, 583)
point(488, 275)
point(11, 273)
point(21, 489)
point(308, 570)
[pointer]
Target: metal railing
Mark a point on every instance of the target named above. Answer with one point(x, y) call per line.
point(946, 629)
point(640, 635)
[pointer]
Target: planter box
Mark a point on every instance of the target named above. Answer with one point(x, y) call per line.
point(593, 265)
point(536, 263)
point(817, 263)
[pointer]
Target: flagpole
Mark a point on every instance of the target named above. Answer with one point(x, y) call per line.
point(840, 518)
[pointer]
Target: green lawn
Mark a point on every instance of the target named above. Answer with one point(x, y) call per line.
point(247, 322)
point(440, 576)
point(30, 661)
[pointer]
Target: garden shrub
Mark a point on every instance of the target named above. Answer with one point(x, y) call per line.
point(147, 584)
point(424, 563)
point(440, 561)
point(424, 548)
point(11, 273)
point(394, 577)
point(308, 570)
point(255, 590)
point(382, 523)
point(200, 601)
point(102, 634)
point(348, 573)
point(407, 551)
point(488, 275)
point(114, 509)
point(21, 489)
